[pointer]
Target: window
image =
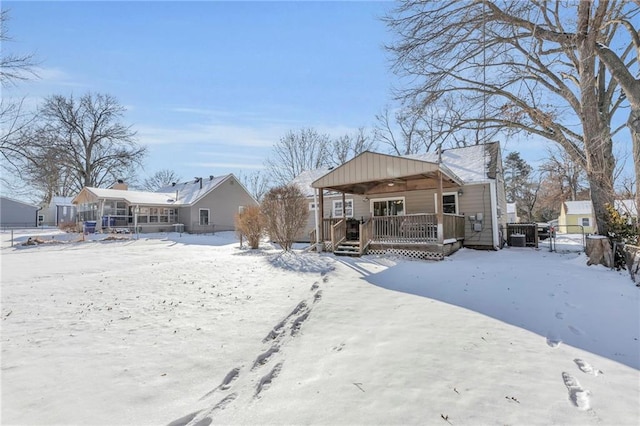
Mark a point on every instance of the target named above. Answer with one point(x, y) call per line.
point(204, 216)
point(121, 208)
point(164, 217)
point(312, 207)
point(585, 221)
point(337, 208)
point(388, 207)
point(449, 202)
point(153, 215)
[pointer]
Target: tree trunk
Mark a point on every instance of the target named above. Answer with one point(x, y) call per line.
point(599, 251)
point(634, 127)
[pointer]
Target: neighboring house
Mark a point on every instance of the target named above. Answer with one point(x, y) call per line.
point(576, 217)
point(393, 202)
point(512, 213)
point(17, 214)
point(198, 206)
point(626, 207)
point(58, 212)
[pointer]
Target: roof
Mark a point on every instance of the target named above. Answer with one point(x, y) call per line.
point(370, 169)
point(192, 191)
point(578, 207)
point(62, 201)
point(131, 197)
point(626, 206)
point(180, 194)
point(471, 163)
point(306, 178)
point(17, 201)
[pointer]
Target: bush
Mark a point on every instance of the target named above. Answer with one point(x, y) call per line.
point(68, 227)
point(622, 230)
point(250, 225)
point(286, 212)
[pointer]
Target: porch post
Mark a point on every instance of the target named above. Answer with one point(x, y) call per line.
point(344, 208)
point(319, 243)
point(439, 213)
point(320, 212)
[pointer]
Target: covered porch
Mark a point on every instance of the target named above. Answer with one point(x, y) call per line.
point(419, 232)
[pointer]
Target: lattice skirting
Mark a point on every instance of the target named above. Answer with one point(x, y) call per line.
point(414, 254)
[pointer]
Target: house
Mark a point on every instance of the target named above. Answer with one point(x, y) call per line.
point(17, 214)
point(576, 217)
point(512, 213)
point(59, 211)
point(197, 206)
point(425, 206)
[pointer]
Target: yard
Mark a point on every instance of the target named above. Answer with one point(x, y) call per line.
point(171, 329)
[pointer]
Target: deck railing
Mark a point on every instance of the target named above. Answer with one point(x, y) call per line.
point(411, 228)
point(365, 234)
point(453, 226)
point(338, 233)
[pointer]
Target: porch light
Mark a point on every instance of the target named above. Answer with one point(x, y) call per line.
point(391, 184)
point(460, 192)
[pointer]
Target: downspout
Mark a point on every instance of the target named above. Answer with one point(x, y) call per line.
point(494, 214)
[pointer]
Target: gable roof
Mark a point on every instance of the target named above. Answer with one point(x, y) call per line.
point(11, 200)
point(192, 191)
point(375, 167)
point(306, 178)
point(473, 164)
point(181, 194)
point(578, 207)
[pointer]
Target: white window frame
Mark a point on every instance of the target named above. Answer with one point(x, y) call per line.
point(582, 219)
point(200, 217)
point(337, 212)
point(455, 194)
point(404, 203)
point(312, 207)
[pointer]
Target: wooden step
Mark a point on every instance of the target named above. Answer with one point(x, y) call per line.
point(348, 248)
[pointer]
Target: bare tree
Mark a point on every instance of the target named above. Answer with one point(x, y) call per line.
point(257, 183)
point(296, 152)
point(91, 145)
point(160, 179)
point(565, 176)
point(13, 66)
point(528, 67)
point(350, 145)
point(286, 211)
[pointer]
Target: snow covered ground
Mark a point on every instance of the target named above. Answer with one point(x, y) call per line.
point(194, 330)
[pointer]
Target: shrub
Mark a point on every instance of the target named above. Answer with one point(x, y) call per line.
point(250, 225)
point(286, 211)
point(622, 230)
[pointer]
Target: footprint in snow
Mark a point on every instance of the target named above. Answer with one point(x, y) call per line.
point(553, 340)
point(585, 367)
point(578, 396)
point(576, 331)
point(560, 315)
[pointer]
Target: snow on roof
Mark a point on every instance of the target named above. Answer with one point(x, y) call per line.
point(306, 178)
point(626, 206)
point(469, 163)
point(62, 201)
point(578, 207)
point(135, 197)
point(191, 191)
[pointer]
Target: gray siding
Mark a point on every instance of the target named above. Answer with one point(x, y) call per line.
point(16, 214)
point(477, 199)
point(223, 203)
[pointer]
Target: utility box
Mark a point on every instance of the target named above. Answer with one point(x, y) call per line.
point(518, 240)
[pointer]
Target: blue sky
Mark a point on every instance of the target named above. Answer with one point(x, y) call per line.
point(210, 86)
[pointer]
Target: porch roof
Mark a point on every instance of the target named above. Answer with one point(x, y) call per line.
point(375, 173)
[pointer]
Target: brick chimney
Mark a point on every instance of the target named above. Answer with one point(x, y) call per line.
point(120, 185)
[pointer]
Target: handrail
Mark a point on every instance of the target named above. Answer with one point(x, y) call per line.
point(365, 235)
point(338, 233)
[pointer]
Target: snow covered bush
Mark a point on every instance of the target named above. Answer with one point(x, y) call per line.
point(250, 225)
point(286, 210)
